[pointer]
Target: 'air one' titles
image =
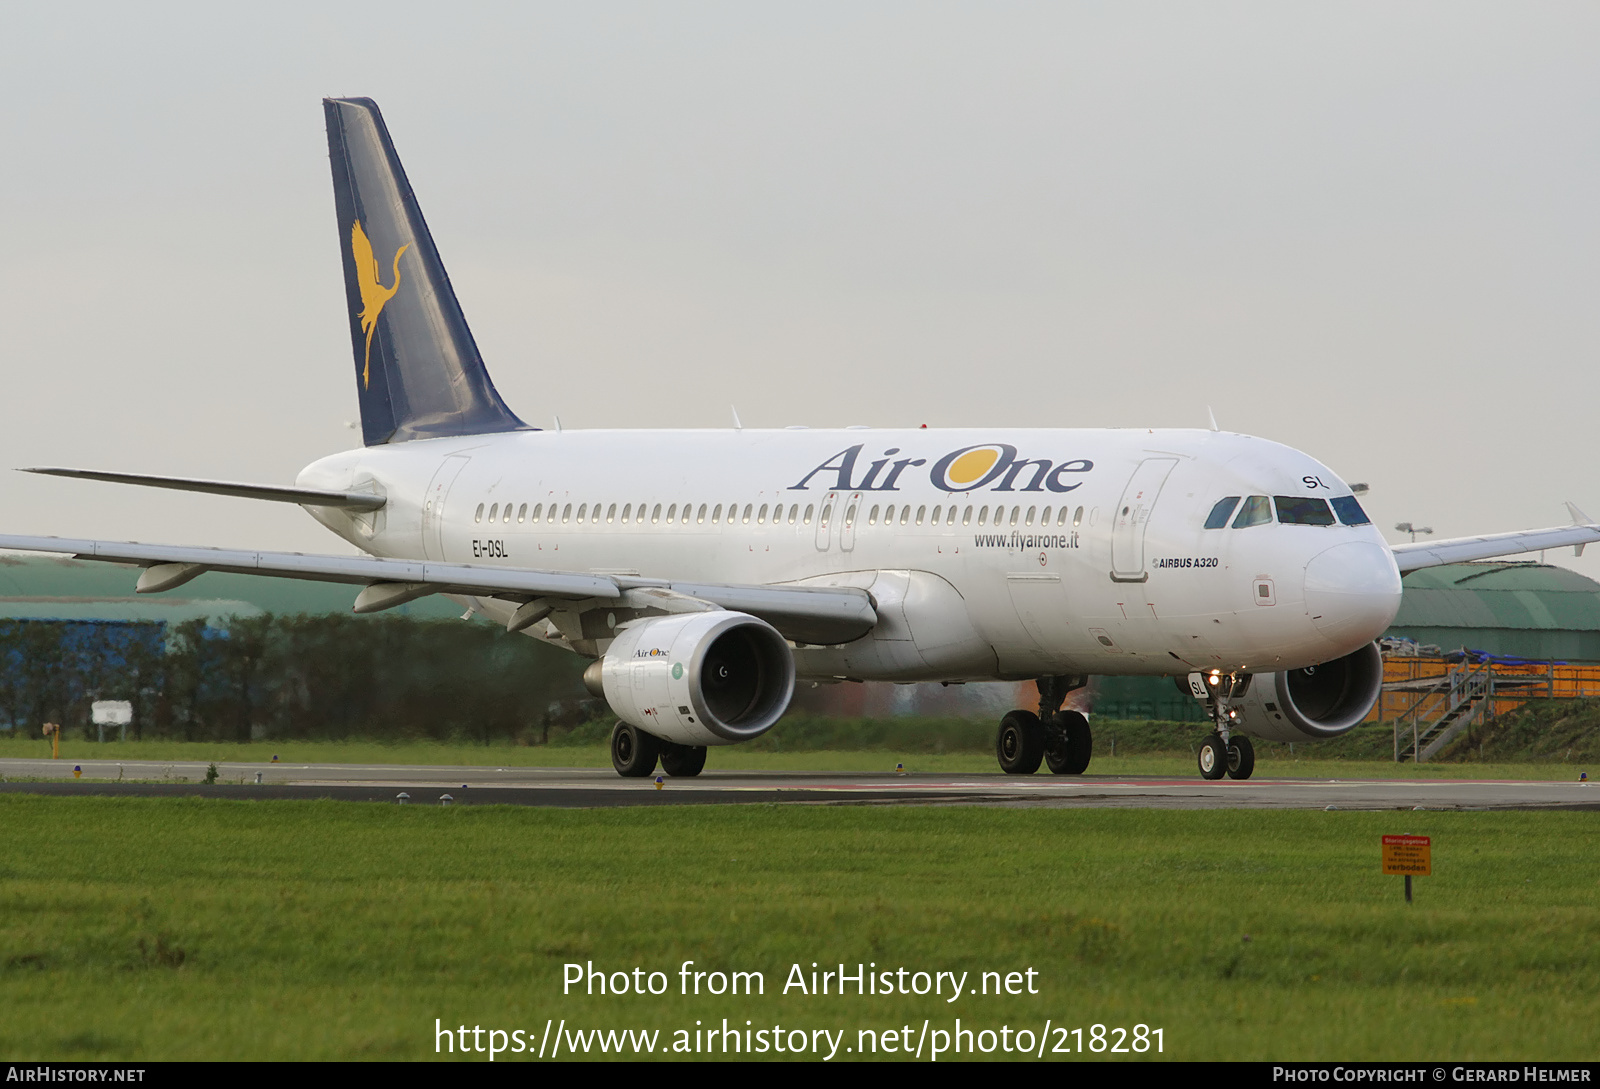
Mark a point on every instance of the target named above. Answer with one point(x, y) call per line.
point(972, 468)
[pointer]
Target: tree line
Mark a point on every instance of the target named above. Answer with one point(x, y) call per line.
point(303, 676)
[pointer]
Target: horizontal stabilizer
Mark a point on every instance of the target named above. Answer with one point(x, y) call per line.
point(306, 497)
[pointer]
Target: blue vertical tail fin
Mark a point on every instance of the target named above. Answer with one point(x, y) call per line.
point(418, 371)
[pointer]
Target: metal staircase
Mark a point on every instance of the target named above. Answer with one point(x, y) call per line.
point(1442, 706)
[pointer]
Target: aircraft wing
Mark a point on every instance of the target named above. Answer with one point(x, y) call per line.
point(812, 615)
point(1413, 557)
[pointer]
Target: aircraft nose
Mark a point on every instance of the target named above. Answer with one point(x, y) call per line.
point(1353, 591)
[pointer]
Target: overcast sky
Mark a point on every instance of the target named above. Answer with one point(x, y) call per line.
point(1369, 231)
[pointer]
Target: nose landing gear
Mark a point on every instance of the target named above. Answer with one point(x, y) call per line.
point(1223, 752)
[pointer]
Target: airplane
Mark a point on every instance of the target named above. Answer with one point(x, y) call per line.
point(704, 572)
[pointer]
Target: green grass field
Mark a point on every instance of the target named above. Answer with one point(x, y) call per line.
point(193, 929)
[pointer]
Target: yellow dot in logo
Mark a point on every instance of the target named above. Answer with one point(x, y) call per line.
point(971, 466)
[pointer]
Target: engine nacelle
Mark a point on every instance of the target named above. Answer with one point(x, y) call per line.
point(713, 678)
point(1314, 703)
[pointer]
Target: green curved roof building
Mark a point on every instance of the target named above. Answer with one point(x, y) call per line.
point(1524, 610)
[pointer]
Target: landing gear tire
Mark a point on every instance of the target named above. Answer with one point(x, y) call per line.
point(1213, 757)
point(1020, 744)
point(683, 761)
point(633, 752)
point(1070, 744)
point(1241, 757)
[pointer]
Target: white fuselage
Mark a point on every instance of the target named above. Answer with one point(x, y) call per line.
point(989, 553)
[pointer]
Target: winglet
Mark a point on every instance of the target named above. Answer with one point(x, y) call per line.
point(1578, 519)
point(1213, 416)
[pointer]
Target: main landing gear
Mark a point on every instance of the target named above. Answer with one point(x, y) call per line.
point(634, 754)
point(1059, 739)
point(1224, 752)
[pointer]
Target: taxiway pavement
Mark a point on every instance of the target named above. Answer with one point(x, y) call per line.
point(593, 787)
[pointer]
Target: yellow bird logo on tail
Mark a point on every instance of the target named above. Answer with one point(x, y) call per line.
point(374, 296)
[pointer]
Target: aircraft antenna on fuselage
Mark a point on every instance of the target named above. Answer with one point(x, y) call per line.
point(418, 371)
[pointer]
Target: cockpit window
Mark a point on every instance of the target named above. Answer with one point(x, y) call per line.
point(1256, 511)
point(1298, 510)
point(1350, 512)
point(1220, 512)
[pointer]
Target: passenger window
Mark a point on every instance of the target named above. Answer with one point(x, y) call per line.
point(699, 519)
point(1350, 512)
point(761, 515)
point(905, 514)
point(950, 519)
point(581, 508)
point(983, 516)
point(747, 509)
point(1030, 515)
point(611, 513)
point(809, 508)
point(1014, 512)
point(1303, 510)
point(478, 517)
point(888, 515)
point(872, 517)
point(777, 514)
point(1044, 517)
point(538, 509)
point(1256, 511)
point(716, 515)
point(672, 512)
point(935, 519)
point(566, 513)
point(655, 515)
point(522, 514)
point(850, 516)
point(920, 512)
point(999, 515)
point(1218, 519)
point(494, 512)
point(827, 512)
point(626, 511)
point(1077, 517)
point(966, 517)
point(794, 509)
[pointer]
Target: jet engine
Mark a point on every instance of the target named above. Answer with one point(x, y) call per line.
point(1314, 703)
point(712, 678)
